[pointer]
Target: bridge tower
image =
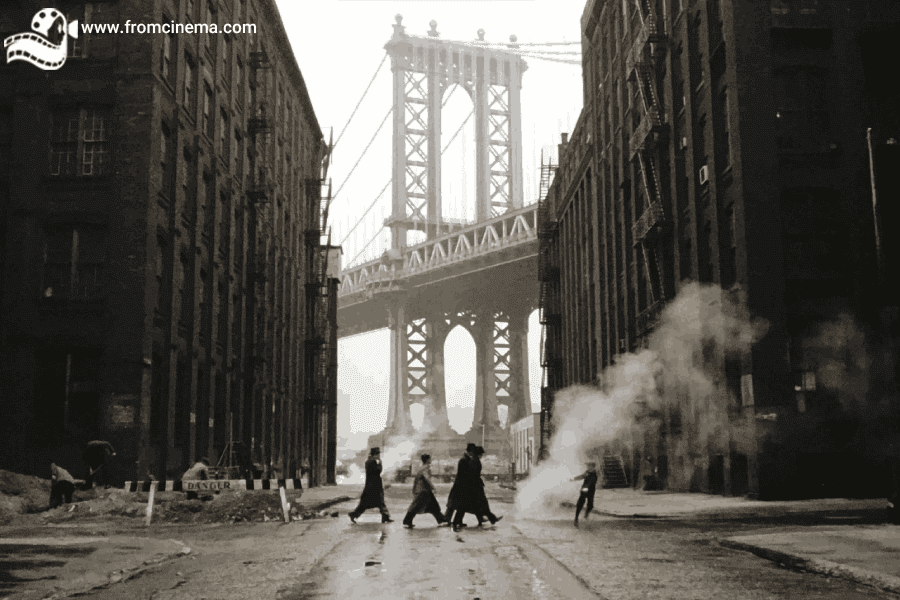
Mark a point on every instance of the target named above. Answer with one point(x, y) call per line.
point(424, 68)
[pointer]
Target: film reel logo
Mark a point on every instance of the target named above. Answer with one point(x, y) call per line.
point(48, 46)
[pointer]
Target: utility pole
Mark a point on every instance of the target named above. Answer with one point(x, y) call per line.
point(884, 310)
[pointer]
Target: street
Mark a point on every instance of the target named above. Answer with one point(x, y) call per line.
point(607, 557)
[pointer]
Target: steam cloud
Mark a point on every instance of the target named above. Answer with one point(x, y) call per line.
point(680, 368)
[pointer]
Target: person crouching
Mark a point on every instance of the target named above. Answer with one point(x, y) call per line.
point(200, 471)
point(424, 500)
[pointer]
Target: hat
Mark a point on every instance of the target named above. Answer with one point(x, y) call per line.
point(205, 461)
point(375, 450)
point(479, 451)
point(426, 457)
point(471, 448)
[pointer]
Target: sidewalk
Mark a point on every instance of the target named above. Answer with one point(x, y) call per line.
point(639, 504)
point(866, 554)
point(87, 562)
point(863, 553)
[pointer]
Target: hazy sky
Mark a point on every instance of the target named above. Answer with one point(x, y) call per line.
point(339, 45)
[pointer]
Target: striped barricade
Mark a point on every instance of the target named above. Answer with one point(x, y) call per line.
point(204, 485)
point(208, 485)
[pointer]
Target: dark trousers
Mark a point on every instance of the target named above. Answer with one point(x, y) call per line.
point(96, 476)
point(61, 493)
point(360, 509)
point(424, 502)
point(585, 496)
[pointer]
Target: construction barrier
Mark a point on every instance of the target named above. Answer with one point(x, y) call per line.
point(211, 485)
point(205, 485)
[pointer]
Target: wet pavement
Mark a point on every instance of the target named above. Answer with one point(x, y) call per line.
point(639, 546)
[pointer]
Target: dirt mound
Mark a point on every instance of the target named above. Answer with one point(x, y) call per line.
point(96, 503)
point(21, 494)
point(230, 507)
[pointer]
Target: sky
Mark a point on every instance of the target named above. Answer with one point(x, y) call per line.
point(339, 45)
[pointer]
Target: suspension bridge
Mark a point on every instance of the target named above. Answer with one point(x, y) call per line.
point(435, 271)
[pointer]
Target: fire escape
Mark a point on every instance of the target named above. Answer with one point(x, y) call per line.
point(640, 65)
point(550, 317)
point(258, 186)
point(320, 366)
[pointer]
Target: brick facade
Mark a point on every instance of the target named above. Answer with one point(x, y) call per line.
point(161, 283)
point(724, 142)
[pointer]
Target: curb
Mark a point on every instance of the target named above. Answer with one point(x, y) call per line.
point(325, 504)
point(823, 567)
point(631, 516)
point(123, 575)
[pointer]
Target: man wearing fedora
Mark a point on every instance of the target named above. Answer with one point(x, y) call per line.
point(373, 492)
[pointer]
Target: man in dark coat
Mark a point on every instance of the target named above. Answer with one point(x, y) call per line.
point(373, 493)
point(95, 454)
point(587, 491)
point(462, 468)
point(424, 500)
point(468, 483)
point(483, 505)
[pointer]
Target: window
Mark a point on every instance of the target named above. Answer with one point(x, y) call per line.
point(723, 131)
point(67, 395)
point(78, 143)
point(207, 110)
point(189, 185)
point(77, 44)
point(780, 7)
point(802, 116)
point(73, 262)
point(240, 83)
point(728, 248)
point(187, 292)
point(6, 133)
point(210, 21)
point(166, 68)
point(188, 100)
point(223, 132)
point(236, 155)
point(226, 57)
point(804, 385)
point(167, 159)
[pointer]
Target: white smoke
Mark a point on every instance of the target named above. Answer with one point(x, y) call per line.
point(355, 475)
point(404, 450)
point(681, 368)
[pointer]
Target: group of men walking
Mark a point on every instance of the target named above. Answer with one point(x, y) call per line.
point(466, 496)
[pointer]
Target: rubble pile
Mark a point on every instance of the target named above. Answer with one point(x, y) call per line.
point(231, 507)
point(20, 494)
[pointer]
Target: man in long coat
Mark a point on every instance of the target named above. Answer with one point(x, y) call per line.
point(468, 484)
point(373, 492)
point(483, 505)
point(462, 468)
point(424, 500)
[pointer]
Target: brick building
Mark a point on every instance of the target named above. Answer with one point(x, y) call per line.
point(725, 142)
point(163, 278)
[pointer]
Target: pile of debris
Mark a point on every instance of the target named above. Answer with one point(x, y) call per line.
point(21, 494)
point(26, 498)
point(230, 507)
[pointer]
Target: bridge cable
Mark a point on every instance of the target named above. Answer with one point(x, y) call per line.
point(378, 70)
point(558, 60)
point(386, 186)
point(377, 131)
point(446, 100)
